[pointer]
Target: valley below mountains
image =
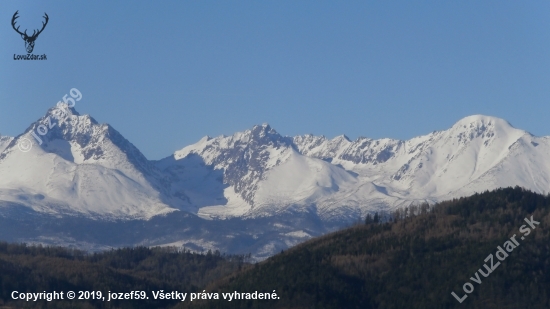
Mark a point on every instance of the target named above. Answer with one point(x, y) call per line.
point(256, 191)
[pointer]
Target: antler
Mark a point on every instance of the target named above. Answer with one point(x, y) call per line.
point(13, 24)
point(43, 26)
point(29, 40)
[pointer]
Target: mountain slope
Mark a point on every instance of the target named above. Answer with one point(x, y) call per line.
point(263, 172)
point(413, 263)
point(81, 168)
point(267, 173)
point(31, 268)
point(259, 172)
point(4, 142)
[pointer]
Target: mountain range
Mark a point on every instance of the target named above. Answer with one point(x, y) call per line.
point(254, 191)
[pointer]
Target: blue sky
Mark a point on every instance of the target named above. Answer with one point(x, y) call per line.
point(166, 73)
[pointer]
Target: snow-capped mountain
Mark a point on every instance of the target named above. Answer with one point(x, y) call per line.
point(280, 190)
point(82, 168)
point(475, 154)
point(263, 171)
point(4, 142)
point(267, 173)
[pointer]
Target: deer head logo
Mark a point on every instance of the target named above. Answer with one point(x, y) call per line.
point(29, 40)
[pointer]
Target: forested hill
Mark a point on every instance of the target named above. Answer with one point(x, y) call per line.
point(416, 262)
point(34, 269)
